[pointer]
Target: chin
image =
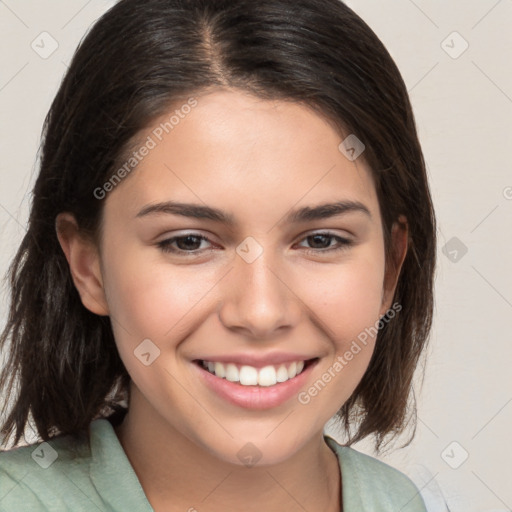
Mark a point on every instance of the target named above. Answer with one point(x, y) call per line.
point(258, 450)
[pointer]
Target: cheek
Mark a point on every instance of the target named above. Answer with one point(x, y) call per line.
point(346, 301)
point(150, 299)
point(348, 297)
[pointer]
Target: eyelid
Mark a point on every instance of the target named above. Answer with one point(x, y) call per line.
point(345, 242)
point(166, 243)
point(326, 231)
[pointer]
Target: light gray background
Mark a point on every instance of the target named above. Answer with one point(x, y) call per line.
point(463, 107)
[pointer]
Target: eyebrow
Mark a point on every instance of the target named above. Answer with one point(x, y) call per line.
point(301, 215)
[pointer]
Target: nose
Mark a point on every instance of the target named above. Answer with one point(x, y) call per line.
point(258, 299)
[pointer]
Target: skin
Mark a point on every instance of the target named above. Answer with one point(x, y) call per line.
point(257, 160)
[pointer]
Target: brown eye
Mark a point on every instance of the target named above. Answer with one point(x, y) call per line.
point(322, 242)
point(183, 244)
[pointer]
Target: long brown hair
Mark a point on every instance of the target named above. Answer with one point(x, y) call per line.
point(62, 368)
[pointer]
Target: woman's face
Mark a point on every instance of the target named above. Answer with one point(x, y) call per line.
point(276, 280)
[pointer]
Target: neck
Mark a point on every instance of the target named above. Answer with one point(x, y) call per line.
point(177, 474)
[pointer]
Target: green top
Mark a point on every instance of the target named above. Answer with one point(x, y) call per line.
point(65, 474)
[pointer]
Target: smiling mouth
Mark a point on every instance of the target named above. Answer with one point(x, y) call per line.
point(246, 375)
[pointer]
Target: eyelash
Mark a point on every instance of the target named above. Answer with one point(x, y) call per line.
point(165, 245)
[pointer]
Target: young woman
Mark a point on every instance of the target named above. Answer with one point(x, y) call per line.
point(231, 241)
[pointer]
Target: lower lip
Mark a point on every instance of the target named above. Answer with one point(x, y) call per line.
point(255, 397)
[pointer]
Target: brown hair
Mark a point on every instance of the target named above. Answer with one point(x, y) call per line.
point(139, 58)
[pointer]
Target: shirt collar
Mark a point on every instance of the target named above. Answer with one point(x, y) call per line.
point(117, 483)
point(111, 471)
point(351, 490)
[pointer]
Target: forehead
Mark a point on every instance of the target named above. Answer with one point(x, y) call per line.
point(237, 152)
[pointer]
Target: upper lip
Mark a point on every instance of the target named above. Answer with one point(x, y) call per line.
point(257, 360)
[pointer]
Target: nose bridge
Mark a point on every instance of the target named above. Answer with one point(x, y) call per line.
point(256, 296)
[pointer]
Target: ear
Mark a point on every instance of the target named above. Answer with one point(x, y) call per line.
point(399, 236)
point(84, 263)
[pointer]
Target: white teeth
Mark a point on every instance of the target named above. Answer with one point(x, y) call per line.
point(231, 372)
point(282, 374)
point(250, 376)
point(219, 370)
point(267, 376)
